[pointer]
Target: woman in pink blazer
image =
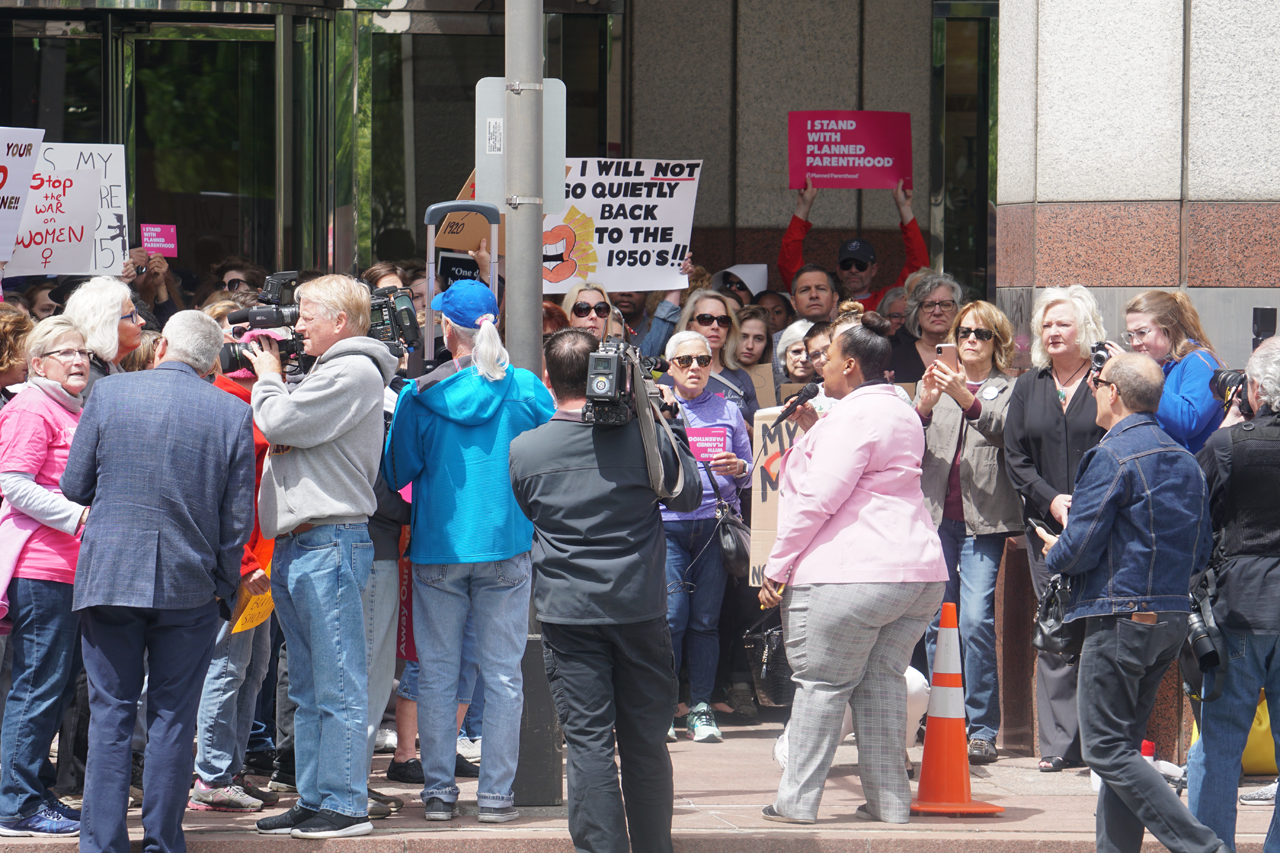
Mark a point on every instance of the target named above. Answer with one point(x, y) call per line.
point(859, 571)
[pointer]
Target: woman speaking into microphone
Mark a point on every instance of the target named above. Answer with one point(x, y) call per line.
point(859, 571)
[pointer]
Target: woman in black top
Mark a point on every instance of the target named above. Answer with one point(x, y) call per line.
point(1049, 426)
point(930, 309)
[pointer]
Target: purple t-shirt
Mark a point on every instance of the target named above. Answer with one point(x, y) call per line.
point(711, 410)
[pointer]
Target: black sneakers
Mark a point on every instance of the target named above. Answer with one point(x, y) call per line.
point(498, 814)
point(327, 823)
point(283, 823)
point(438, 809)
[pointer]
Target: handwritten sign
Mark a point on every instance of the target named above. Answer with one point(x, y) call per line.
point(251, 611)
point(18, 149)
point(111, 233)
point(849, 149)
point(771, 444)
point(706, 442)
point(160, 238)
point(56, 233)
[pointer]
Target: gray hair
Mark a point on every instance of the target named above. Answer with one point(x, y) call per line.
point(1263, 368)
point(891, 295)
point(95, 309)
point(488, 355)
point(1138, 380)
point(924, 289)
point(1089, 328)
point(680, 338)
point(48, 332)
point(194, 339)
point(792, 334)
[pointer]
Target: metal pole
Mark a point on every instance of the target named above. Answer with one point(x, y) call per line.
point(524, 183)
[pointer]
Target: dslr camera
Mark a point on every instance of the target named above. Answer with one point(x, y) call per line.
point(1098, 356)
point(1229, 386)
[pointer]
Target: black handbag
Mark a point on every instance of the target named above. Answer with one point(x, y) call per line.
point(1051, 633)
point(732, 534)
point(770, 671)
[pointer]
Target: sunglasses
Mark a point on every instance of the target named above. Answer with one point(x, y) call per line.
point(735, 285)
point(582, 309)
point(860, 266)
point(963, 332)
point(722, 320)
point(684, 362)
point(236, 284)
point(1097, 382)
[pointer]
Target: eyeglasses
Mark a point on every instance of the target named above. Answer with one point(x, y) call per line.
point(132, 316)
point(722, 320)
point(817, 356)
point(684, 362)
point(1137, 335)
point(69, 355)
point(896, 315)
point(860, 266)
point(944, 305)
point(582, 309)
point(963, 333)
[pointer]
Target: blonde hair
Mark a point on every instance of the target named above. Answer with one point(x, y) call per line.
point(733, 337)
point(572, 296)
point(47, 332)
point(1089, 328)
point(339, 294)
point(220, 310)
point(141, 358)
point(995, 320)
point(1173, 312)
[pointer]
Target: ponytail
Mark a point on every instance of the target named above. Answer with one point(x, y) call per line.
point(488, 354)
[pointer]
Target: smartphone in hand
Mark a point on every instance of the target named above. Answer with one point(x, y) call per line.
point(948, 355)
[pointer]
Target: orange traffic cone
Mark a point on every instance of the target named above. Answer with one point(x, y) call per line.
point(944, 771)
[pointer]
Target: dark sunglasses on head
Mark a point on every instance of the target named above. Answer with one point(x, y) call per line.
point(860, 266)
point(964, 332)
point(582, 309)
point(685, 361)
point(722, 320)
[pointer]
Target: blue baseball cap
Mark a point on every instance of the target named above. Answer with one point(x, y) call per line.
point(466, 302)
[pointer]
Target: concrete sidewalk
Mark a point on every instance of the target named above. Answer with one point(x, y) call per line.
point(720, 789)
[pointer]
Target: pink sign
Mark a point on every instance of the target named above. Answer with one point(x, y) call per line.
point(706, 442)
point(849, 149)
point(160, 238)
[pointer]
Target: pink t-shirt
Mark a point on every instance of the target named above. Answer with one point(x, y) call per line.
point(35, 438)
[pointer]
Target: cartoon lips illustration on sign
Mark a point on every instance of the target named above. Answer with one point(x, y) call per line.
point(557, 245)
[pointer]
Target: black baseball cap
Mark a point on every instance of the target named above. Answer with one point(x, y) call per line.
point(859, 250)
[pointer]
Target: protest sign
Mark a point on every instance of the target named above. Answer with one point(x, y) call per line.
point(56, 233)
point(770, 442)
point(18, 149)
point(627, 225)
point(462, 232)
point(111, 234)
point(849, 149)
point(706, 442)
point(160, 238)
point(453, 266)
point(762, 377)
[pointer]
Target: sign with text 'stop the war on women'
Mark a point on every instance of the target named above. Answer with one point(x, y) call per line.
point(849, 149)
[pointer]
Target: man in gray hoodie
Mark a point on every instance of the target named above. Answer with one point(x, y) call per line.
point(316, 499)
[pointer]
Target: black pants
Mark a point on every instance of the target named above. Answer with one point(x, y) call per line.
point(607, 679)
point(1121, 666)
point(1055, 678)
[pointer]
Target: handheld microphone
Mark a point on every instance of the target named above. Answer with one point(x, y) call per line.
point(806, 394)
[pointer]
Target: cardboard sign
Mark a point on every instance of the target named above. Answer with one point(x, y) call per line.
point(56, 233)
point(849, 149)
point(762, 377)
point(253, 610)
point(111, 234)
point(462, 232)
point(626, 225)
point(770, 443)
point(19, 147)
point(706, 442)
point(160, 238)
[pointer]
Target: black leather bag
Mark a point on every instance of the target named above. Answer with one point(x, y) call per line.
point(767, 654)
point(1051, 633)
point(732, 534)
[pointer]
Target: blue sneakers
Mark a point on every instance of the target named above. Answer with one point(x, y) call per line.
point(45, 822)
point(63, 809)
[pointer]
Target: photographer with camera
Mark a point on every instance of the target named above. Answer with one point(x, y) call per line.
point(316, 498)
point(599, 552)
point(1242, 467)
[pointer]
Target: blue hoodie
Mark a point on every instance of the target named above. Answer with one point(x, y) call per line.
point(451, 440)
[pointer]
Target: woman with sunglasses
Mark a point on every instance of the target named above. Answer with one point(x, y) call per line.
point(588, 307)
point(930, 310)
point(970, 499)
point(695, 574)
point(714, 316)
point(112, 326)
point(39, 546)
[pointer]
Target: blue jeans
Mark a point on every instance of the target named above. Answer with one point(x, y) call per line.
point(316, 579)
point(46, 653)
point(695, 591)
point(497, 593)
point(1213, 765)
point(381, 599)
point(973, 563)
point(229, 701)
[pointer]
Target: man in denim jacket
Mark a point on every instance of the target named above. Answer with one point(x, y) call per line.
point(1138, 529)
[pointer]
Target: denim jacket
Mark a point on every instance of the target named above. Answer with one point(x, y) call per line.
point(1139, 524)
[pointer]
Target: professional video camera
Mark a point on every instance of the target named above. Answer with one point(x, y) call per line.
point(234, 356)
point(279, 289)
point(393, 320)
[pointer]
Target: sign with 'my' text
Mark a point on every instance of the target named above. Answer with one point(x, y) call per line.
point(771, 444)
point(111, 232)
point(849, 149)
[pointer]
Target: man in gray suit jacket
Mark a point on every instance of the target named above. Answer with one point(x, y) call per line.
point(165, 462)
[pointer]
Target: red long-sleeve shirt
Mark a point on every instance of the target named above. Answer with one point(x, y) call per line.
point(791, 256)
point(256, 546)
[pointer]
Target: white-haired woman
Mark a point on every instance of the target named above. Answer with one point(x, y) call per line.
point(103, 307)
point(714, 316)
point(930, 309)
point(588, 307)
point(695, 574)
point(39, 546)
point(1048, 428)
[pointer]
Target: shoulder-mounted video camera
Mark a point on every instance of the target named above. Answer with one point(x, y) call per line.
point(619, 384)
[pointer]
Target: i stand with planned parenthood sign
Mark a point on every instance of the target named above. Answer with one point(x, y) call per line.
point(849, 149)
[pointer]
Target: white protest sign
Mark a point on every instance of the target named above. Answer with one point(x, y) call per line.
point(56, 234)
point(111, 234)
point(18, 147)
point(626, 225)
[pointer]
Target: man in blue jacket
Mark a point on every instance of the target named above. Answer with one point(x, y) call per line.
point(1138, 529)
point(469, 543)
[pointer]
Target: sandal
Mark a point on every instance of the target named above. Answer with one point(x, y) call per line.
point(1052, 764)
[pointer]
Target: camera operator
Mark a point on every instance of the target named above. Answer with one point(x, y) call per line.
point(599, 552)
point(316, 498)
point(1242, 466)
